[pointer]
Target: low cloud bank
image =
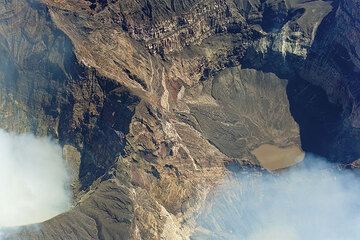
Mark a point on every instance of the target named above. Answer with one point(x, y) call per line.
point(313, 201)
point(33, 180)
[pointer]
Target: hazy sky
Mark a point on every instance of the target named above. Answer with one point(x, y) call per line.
point(33, 180)
point(313, 201)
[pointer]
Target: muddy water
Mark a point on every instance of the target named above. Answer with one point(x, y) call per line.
point(274, 158)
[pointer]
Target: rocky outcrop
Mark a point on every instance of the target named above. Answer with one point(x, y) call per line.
point(155, 101)
point(45, 90)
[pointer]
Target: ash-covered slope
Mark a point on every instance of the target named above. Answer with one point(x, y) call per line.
point(154, 101)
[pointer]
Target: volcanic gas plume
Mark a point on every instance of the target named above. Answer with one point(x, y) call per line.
point(34, 180)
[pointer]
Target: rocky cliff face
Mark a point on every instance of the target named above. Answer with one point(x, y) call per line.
point(155, 101)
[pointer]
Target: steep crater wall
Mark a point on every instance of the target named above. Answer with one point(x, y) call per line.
point(322, 87)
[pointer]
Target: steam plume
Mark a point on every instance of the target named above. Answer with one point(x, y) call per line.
point(313, 201)
point(33, 180)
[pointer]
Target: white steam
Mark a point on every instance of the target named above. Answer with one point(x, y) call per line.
point(33, 180)
point(313, 201)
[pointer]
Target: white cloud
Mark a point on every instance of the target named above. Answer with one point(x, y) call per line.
point(33, 180)
point(313, 201)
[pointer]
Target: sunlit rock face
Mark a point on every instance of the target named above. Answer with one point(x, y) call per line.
point(46, 91)
point(35, 185)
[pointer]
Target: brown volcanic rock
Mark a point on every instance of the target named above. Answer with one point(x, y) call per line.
point(152, 102)
point(45, 90)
